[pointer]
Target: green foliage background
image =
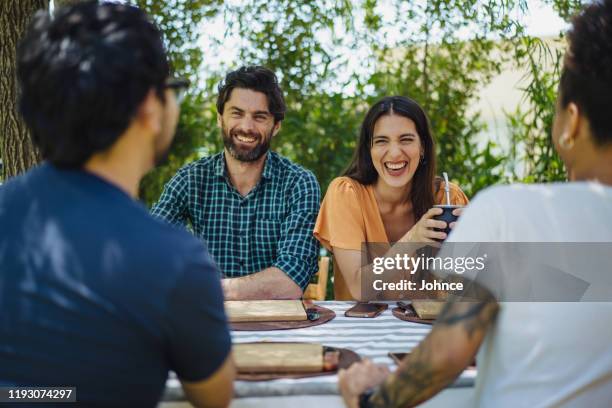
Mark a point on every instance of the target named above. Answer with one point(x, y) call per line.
point(307, 43)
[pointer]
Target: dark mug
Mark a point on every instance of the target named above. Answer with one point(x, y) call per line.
point(446, 216)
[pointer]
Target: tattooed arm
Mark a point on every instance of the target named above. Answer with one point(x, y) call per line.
point(449, 348)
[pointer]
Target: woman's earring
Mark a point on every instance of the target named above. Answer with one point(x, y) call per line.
point(565, 142)
point(422, 161)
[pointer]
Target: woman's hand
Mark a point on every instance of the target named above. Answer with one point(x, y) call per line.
point(423, 231)
point(457, 213)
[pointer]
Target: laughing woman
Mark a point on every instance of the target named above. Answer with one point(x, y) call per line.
point(387, 193)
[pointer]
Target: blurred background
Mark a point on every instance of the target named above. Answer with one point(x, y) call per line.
point(485, 72)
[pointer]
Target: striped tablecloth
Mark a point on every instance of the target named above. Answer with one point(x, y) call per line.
point(370, 338)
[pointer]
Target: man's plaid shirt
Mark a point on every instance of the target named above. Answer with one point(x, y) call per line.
point(271, 226)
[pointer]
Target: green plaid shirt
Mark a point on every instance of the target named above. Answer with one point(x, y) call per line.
point(270, 226)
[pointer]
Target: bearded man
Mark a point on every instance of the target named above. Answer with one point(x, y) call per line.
point(254, 209)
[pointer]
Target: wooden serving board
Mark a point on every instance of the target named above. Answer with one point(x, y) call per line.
point(427, 309)
point(278, 357)
point(265, 310)
point(325, 315)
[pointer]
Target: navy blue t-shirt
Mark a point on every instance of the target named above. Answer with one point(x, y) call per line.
point(95, 293)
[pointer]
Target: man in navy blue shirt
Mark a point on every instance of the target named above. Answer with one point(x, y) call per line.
point(94, 292)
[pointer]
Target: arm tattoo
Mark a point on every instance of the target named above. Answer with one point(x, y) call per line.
point(418, 378)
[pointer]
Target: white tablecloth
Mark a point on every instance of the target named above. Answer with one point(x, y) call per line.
point(370, 338)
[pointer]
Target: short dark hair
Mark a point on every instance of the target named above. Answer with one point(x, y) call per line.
point(255, 78)
point(362, 168)
point(586, 79)
point(83, 73)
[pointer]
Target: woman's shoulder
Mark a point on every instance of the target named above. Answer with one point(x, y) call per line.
point(341, 219)
point(346, 185)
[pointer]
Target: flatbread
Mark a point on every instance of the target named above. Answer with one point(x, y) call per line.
point(278, 357)
point(265, 310)
point(427, 309)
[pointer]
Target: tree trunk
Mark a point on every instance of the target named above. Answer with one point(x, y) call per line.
point(16, 148)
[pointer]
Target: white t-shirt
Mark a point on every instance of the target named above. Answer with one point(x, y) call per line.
point(544, 354)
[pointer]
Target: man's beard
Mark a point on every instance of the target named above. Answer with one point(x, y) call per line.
point(245, 155)
point(161, 157)
point(166, 138)
point(163, 153)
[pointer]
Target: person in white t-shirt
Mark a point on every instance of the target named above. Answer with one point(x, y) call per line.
point(530, 354)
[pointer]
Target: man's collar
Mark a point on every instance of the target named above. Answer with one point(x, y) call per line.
point(268, 170)
point(219, 165)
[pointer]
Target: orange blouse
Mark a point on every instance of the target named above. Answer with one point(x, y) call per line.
point(349, 215)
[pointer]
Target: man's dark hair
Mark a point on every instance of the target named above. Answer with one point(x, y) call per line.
point(587, 70)
point(255, 78)
point(83, 73)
